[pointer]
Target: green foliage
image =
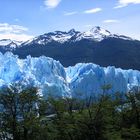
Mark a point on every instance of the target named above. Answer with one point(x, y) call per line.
point(25, 115)
point(19, 113)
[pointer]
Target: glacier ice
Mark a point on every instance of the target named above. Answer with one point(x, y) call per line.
point(44, 73)
point(51, 77)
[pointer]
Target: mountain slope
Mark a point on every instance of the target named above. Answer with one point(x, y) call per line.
point(109, 52)
point(9, 45)
point(96, 45)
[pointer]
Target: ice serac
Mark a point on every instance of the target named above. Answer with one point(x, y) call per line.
point(44, 73)
point(88, 79)
point(51, 77)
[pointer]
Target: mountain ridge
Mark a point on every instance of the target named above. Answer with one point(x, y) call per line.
point(96, 33)
point(97, 46)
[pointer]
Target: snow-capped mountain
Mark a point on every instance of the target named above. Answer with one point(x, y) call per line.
point(9, 44)
point(96, 45)
point(57, 36)
point(96, 34)
point(52, 78)
point(5, 42)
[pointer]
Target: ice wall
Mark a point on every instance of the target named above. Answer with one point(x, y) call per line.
point(52, 78)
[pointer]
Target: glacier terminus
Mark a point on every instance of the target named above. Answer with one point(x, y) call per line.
point(83, 79)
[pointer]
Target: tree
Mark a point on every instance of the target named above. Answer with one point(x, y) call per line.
point(18, 112)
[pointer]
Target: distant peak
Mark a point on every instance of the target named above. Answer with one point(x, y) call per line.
point(72, 30)
point(100, 30)
point(96, 28)
point(96, 33)
point(5, 40)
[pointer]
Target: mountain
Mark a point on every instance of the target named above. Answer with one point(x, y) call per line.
point(9, 45)
point(97, 45)
point(95, 34)
point(57, 36)
point(52, 78)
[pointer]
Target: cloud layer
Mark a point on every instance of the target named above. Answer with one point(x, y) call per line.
point(111, 21)
point(124, 3)
point(92, 11)
point(14, 32)
point(17, 37)
point(70, 13)
point(5, 27)
point(51, 3)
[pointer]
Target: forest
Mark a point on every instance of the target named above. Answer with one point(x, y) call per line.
point(25, 115)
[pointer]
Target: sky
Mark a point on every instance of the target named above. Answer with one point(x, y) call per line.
point(24, 19)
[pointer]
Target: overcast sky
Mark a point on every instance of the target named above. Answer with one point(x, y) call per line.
point(23, 19)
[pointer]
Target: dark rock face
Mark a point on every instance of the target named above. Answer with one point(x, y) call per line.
point(108, 52)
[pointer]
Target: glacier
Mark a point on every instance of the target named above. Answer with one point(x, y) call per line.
point(89, 79)
point(83, 79)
